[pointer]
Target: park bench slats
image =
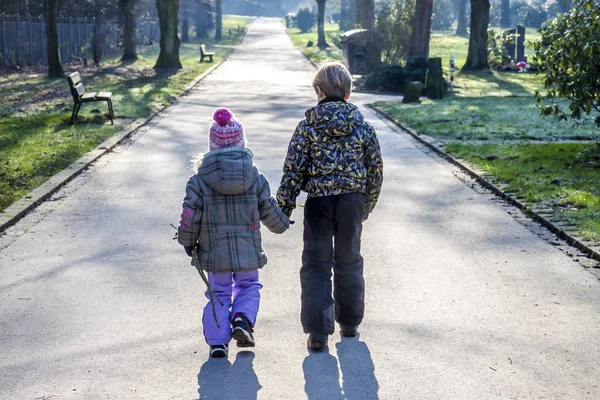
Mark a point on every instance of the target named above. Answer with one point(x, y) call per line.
point(80, 96)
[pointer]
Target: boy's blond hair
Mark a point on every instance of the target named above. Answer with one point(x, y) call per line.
point(334, 79)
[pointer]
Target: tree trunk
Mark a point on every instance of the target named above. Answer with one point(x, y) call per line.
point(55, 69)
point(203, 18)
point(219, 18)
point(169, 39)
point(129, 29)
point(461, 26)
point(365, 14)
point(185, 25)
point(99, 32)
point(505, 13)
point(477, 57)
point(419, 43)
point(321, 42)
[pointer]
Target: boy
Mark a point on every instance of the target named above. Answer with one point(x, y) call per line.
point(334, 156)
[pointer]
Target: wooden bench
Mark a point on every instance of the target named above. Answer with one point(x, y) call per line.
point(204, 53)
point(81, 96)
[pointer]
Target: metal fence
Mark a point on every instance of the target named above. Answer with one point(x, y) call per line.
point(23, 39)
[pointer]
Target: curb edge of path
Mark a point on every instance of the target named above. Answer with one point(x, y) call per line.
point(20, 208)
point(537, 215)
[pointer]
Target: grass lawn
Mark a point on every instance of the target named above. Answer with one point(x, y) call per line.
point(36, 139)
point(490, 120)
point(331, 53)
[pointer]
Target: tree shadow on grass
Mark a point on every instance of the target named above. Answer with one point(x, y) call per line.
point(490, 77)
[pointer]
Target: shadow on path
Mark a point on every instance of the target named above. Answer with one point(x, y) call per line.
point(322, 377)
point(358, 370)
point(219, 379)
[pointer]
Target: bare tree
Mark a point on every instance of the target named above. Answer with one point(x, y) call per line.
point(100, 31)
point(185, 25)
point(203, 18)
point(219, 19)
point(461, 25)
point(365, 14)
point(55, 68)
point(321, 42)
point(169, 39)
point(128, 8)
point(477, 57)
point(419, 44)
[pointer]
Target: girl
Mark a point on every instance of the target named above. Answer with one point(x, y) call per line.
point(226, 200)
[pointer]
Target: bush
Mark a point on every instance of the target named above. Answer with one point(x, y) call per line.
point(497, 55)
point(568, 55)
point(394, 22)
point(394, 78)
point(305, 20)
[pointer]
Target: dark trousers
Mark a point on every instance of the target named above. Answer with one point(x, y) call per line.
point(332, 229)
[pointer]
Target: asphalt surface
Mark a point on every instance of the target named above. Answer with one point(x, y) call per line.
point(463, 300)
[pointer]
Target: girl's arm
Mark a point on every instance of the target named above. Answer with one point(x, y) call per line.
point(191, 215)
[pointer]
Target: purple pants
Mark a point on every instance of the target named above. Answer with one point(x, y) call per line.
point(239, 294)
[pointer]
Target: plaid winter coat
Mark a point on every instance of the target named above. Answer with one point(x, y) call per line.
point(333, 151)
point(224, 204)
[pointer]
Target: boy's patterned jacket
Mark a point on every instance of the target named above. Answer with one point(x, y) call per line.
point(333, 151)
point(224, 204)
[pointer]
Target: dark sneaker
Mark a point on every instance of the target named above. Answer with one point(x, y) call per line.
point(219, 350)
point(317, 341)
point(348, 330)
point(242, 331)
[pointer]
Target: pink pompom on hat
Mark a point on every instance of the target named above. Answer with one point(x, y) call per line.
point(225, 131)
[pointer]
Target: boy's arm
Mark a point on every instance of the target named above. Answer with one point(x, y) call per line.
point(294, 169)
point(270, 214)
point(374, 165)
point(191, 215)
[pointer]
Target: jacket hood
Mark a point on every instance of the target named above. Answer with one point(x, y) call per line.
point(229, 171)
point(336, 118)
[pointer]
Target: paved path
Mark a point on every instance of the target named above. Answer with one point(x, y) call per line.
point(463, 301)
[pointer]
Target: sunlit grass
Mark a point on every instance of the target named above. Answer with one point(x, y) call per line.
point(331, 53)
point(564, 178)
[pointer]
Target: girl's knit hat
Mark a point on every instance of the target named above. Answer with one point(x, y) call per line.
point(225, 131)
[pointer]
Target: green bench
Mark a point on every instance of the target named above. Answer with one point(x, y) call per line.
point(80, 96)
